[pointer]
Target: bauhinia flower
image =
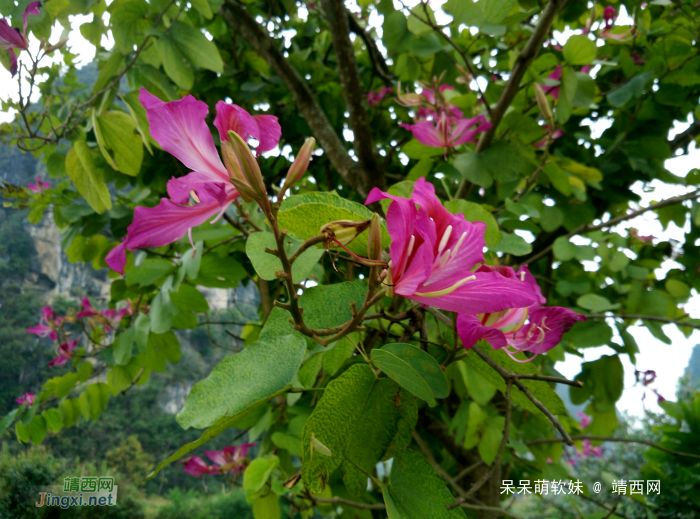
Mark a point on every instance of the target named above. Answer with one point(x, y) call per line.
point(532, 328)
point(11, 38)
point(585, 419)
point(110, 317)
point(230, 459)
point(65, 352)
point(589, 450)
point(48, 325)
point(28, 399)
point(181, 130)
point(443, 125)
point(553, 90)
point(433, 254)
point(609, 17)
point(39, 186)
point(374, 98)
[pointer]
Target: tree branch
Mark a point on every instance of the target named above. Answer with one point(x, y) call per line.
point(522, 62)
point(682, 140)
point(648, 318)
point(431, 459)
point(617, 440)
point(614, 221)
point(496, 462)
point(258, 38)
point(338, 20)
point(378, 62)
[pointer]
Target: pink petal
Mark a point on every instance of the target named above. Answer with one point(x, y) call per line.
point(10, 37)
point(230, 117)
point(547, 325)
point(196, 466)
point(58, 361)
point(181, 130)
point(87, 310)
point(217, 457)
point(40, 329)
point(34, 188)
point(426, 132)
point(116, 259)
point(470, 330)
point(489, 292)
point(179, 189)
point(270, 133)
point(32, 8)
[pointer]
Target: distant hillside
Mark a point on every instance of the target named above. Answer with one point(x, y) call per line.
point(693, 368)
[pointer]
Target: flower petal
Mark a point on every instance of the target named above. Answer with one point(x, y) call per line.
point(470, 330)
point(181, 130)
point(270, 132)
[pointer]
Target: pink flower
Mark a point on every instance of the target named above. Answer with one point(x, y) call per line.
point(28, 399)
point(374, 98)
point(553, 90)
point(589, 450)
point(229, 459)
point(554, 135)
point(658, 396)
point(609, 15)
point(433, 253)
point(635, 234)
point(645, 377)
point(11, 38)
point(65, 352)
point(111, 317)
point(535, 329)
point(264, 128)
point(181, 130)
point(47, 325)
point(585, 419)
point(39, 186)
point(448, 131)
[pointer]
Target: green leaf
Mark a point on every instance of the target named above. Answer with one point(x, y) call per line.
point(633, 88)
point(37, 429)
point(196, 47)
point(677, 289)
point(304, 215)
point(541, 390)
point(120, 143)
point(563, 249)
point(123, 346)
point(359, 418)
point(417, 491)
point(149, 271)
point(418, 151)
point(127, 20)
point(267, 507)
point(266, 264)
point(257, 474)
point(589, 333)
point(309, 370)
point(404, 374)
point(417, 22)
point(174, 63)
point(110, 68)
point(189, 299)
point(579, 50)
point(242, 380)
point(337, 355)
point(203, 8)
point(512, 244)
point(596, 303)
point(220, 272)
point(477, 213)
point(491, 438)
point(86, 179)
point(328, 306)
point(500, 162)
point(424, 364)
point(558, 178)
point(219, 426)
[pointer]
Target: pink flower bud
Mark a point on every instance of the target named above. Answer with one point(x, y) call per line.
point(300, 165)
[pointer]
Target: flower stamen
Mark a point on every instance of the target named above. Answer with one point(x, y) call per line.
point(448, 290)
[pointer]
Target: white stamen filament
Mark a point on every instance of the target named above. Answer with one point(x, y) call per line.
point(447, 290)
point(194, 196)
point(459, 243)
point(445, 257)
point(522, 276)
point(410, 245)
point(445, 239)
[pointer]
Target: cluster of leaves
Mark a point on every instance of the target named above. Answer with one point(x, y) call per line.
point(565, 196)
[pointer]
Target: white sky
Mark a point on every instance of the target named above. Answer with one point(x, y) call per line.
point(669, 362)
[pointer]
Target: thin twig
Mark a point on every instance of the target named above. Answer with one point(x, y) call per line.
point(617, 440)
point(645, 317)
point(614, 221)
point(429, 455)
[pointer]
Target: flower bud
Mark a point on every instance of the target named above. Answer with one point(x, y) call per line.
point(298, 168)
point(374, 238)
point(61, 43)
point(342, 231)
point(408, 99)
point(543, 104)
point(244, 169)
